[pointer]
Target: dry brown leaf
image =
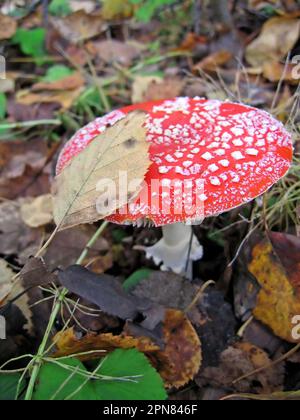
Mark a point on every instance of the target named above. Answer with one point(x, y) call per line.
point(120, 149)
point(65, 98)
point(239, 360)
point(6, 275)
point(278, 37)
point(274, 72)
point(38, 211)
point(23, 168)
point(213, 61)
point(72, 82)
point(177, 363)
point(79, 26)
point(276, 266)
point(8, 27)
point(115, 51)
point(181, 358)
point(140, 86)
point(68, 343)
point(67, 245)
point(165, 89)
point(15, 236)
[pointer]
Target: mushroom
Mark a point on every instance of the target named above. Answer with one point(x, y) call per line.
point(208, 157)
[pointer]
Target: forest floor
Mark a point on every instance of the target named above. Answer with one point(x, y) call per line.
point(233, 332)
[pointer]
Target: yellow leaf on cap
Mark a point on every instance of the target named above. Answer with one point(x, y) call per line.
point(122, 148)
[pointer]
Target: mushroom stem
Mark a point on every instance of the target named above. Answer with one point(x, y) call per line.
point(174, 248)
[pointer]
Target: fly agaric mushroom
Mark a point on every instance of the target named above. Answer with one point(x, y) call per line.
point(226, 154)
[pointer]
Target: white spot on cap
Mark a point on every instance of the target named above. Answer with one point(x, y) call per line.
point(170, 159)
point(213, 168)
point(214, 180)
point(260, 143)
point(187, 163)
point(195, 169)
point(179, 155)
point(236, 178)
point(220, 152)
point(252, 152)
point(213, 145)
point(226, 137)
point(207, 156)
point(195, 151)
point(238, 142)
point(164, 169)
point(237, 131)
point(225, 163)
point(237, 155)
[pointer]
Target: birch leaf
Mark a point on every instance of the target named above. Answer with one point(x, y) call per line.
point(122, 148)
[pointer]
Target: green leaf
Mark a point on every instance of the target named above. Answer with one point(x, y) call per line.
point(132, 281)
point(147, 8)
point(9, 386)
point(31, 41)
point(3, 106)
point(128, 375)
point(59, 382)
point(60, 7)
point(148, 385)
point(56, 73)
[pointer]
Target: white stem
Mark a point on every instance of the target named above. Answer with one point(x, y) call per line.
point(173, 249)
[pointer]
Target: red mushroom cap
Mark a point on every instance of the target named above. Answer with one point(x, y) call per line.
point(226, 154)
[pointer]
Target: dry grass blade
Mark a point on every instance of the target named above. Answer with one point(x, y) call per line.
point(120, 149)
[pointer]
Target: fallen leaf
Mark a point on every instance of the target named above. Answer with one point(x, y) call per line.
point(140, 86)
point(274, 72)
point(115, 51)
point(239, 360)
point(278, 37)
point(79, 26)
point(6, 275)
point(121, 148)
point(276, 266)
point(211, 316)
point(191, 41)
point(35, 273)
point(68, 342)
point(38, 212)
point(181, 358)
point(71, 82)
point(64, 98)
point(15, 236)
point(108, 294)
point(165, 89)
point(18, 112)
point(214, 61)
point(116, 9)
point(23, 169)
point(8, 27)
point(167, 289)
point(177, 363)
point(67, 245)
